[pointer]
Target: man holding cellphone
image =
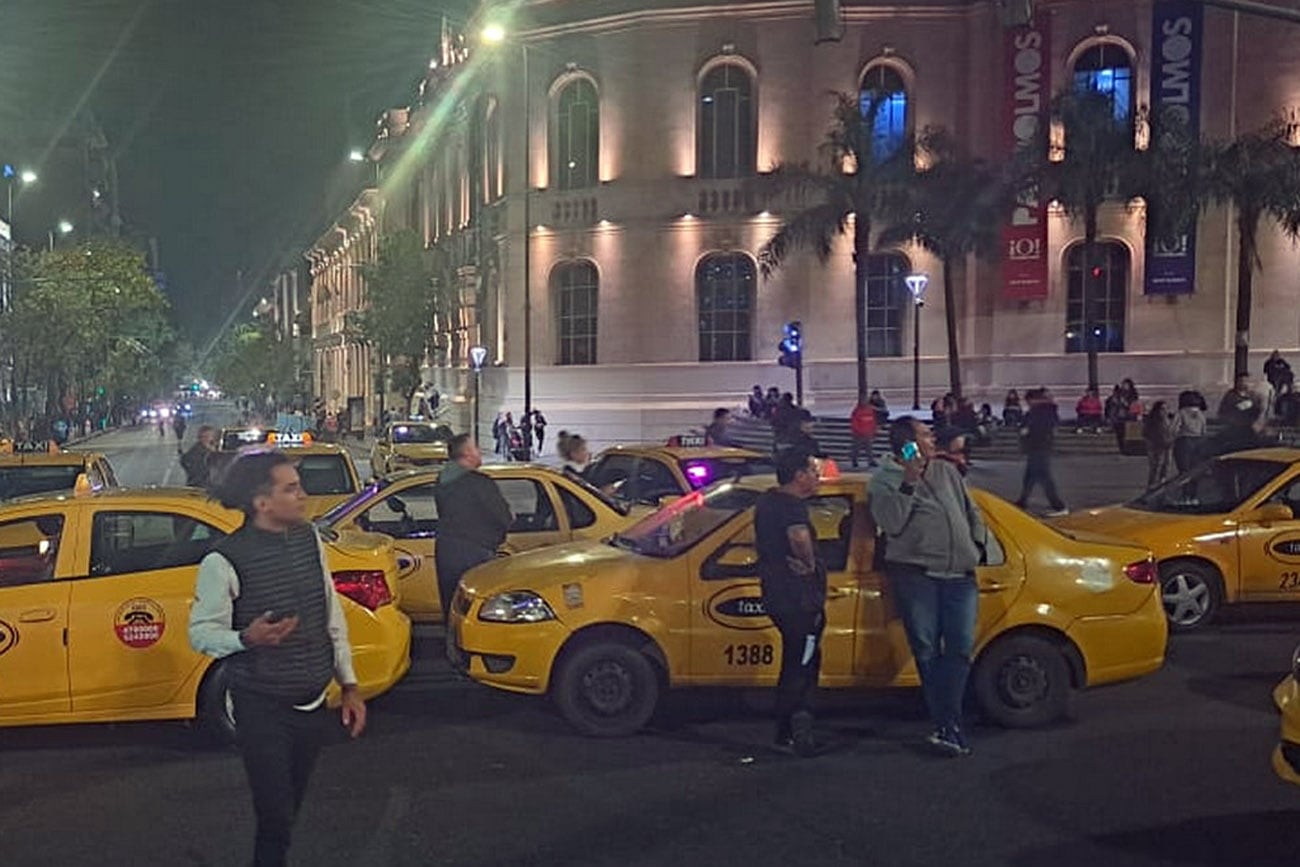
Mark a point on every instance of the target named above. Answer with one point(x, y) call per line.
point(794, 593)
point(264, 599)
point(934, 539)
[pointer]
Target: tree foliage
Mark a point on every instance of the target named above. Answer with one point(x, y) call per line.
point(253, 360)
point(86, 320)
point(398, 318)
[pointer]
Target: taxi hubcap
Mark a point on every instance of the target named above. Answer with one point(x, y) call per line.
point(1024, 681)
point(608, 687)
point(1186, 598)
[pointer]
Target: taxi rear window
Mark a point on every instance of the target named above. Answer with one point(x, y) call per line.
point(421, 433)
point(705, 471)
point(22, 481)
point(324, 474)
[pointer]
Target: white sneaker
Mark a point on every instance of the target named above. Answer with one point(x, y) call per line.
point(1058, 513)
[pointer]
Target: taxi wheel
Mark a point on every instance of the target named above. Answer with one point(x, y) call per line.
point(1190, 593)
point(1023, 681)
point(607, 689)
point(216, 708)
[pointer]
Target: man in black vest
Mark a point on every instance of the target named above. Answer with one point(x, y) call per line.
point(473, 517)
point(265, 603)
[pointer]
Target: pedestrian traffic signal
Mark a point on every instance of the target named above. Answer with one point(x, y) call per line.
point(791, 346)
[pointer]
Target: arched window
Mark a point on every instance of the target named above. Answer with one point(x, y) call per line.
point(724, 291)
point(492, 169)
point(1104, 281)
point(726, 135)
point(882, 99)
point(887, 298)
point(575, 286)
point(1107, 69)
point(576, 139)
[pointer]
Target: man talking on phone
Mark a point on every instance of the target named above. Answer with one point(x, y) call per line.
point(794, 594)
point(934, 539)
point(265, 601)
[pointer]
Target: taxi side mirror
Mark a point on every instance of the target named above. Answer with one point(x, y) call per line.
point(1271, 513)
point(733, 561)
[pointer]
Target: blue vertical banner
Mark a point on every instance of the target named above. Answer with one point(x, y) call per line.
point(1175, 93)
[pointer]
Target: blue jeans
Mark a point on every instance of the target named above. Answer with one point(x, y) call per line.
point(939, 616)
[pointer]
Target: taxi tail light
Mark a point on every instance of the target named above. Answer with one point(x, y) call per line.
point(1141, 572)
point(366, 587)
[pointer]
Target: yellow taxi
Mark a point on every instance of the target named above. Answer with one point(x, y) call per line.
point(674, 601)
point(650, 473)
point(409, 444)
point(549, 507)
point(328, 473)
point(1286, 756)
point(95, 594)
point(23, 473)
point(1227, 531)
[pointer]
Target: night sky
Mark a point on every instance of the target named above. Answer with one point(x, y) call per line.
point(231, 119)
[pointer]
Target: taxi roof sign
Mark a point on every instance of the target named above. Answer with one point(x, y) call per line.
point(303, 438)
point(688, 441)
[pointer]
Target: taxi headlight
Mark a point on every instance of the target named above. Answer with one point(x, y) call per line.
point(515, 606)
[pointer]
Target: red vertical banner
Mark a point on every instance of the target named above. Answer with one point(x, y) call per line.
point(1027, 89)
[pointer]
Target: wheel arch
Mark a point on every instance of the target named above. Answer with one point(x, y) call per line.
point(620, 633)
point(1199, 560)
point(1073, 656)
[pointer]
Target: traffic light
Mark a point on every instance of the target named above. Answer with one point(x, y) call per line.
point(791, 346)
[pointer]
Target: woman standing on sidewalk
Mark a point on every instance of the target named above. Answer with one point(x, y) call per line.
point(1158, 433)
point(1188, 430)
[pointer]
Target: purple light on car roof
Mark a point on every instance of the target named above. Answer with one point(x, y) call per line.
point(698, 474)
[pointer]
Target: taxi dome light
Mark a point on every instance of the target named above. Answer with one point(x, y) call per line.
point(827, 469)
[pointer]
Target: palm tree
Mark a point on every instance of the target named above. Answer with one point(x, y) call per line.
point(861, 181)
point(954, 208)
point(1258, 173)
point(1098, 163)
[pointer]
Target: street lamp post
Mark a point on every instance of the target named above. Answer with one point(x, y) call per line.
point(916, 284)
point(495, 34)
point(27, 176)
point(477, 355)
point(64, 228)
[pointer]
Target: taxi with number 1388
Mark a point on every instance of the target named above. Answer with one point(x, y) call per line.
point(674, 601)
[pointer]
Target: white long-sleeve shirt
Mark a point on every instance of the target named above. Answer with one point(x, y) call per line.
point(212, 614)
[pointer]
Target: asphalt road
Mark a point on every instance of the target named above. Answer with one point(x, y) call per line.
point(1173, 769)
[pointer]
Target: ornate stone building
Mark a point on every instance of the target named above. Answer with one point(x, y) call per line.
point(591, 169)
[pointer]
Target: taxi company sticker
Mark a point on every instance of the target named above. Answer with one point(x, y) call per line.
point(738, 607)
point(1286, 548)
point(8, 637)
point(139, 622)
point(573, 595)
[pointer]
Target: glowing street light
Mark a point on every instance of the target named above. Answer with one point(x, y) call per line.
point(493, 34)
point(357, 155)
point(64, 227)
point(28, 177)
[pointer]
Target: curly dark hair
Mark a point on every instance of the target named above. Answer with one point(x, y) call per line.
point(247, 478)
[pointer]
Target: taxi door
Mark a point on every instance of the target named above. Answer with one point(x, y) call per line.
point(410, 515)
point(733, 641)
point(537, 522)
point(128, 642)
point(1268, 547)
point(37, 553)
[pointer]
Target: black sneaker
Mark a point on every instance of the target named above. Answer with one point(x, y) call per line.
point(949, 741)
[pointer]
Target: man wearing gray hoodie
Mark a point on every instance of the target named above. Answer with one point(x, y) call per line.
point(934, 538)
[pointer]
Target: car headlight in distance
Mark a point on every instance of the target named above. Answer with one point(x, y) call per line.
point(515, 606)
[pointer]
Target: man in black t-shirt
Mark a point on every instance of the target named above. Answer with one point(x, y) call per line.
point(794, 593)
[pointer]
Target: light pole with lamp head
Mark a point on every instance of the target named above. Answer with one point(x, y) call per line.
point(477, 355)
point(916, 284)
point(495, 34)
point(64, 227)
point(26, 176)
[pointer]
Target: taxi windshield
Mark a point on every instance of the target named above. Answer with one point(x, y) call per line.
point(22, 481)
point(617, 505)
point(700, 472)
point(681, 524)
point(421, 433)
point(1215, 487)
point(323, 475)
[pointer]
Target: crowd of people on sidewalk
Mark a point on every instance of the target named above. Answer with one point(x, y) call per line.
point(517, 441)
